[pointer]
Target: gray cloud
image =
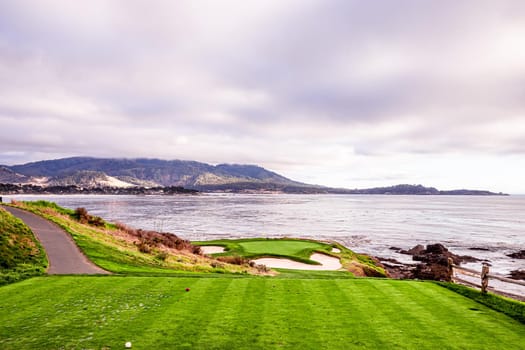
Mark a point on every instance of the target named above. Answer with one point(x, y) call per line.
point(287, 84)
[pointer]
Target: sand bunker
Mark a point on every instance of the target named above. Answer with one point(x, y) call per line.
point(328, 263)
point(336, 250)
point(212, 249)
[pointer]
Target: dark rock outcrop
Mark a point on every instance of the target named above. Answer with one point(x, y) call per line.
point(396, 269)
point(418, 249)
point(433, 263)
point(517, 274)
point(438, 254)
point(517, 255)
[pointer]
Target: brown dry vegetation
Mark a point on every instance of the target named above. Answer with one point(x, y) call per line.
point(148, 240)
point(133, 247)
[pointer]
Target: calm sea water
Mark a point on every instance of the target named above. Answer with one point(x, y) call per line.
point(365, 223)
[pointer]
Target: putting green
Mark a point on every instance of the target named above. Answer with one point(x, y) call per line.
point(280, 247)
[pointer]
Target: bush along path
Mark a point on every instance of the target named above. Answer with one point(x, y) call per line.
point(63, 255)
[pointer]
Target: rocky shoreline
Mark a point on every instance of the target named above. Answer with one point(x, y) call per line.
point(431, 263)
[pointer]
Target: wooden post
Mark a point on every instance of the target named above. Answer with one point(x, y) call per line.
point(484, 278)
point(450, 269)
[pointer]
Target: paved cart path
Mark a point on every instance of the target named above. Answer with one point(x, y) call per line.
point(62, 252)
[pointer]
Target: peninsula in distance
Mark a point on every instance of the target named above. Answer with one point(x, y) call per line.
point(152, 176)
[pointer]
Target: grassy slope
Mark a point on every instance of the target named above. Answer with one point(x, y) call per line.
point(107, 248)
point(21, 255)
point(246, 313)
point(510, 307)
point(299, 250)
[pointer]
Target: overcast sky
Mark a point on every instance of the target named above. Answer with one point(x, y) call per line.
point(339, 93)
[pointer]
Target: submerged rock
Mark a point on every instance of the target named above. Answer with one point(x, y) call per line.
point(418, 249)
point(517, 274)
point(517, 255)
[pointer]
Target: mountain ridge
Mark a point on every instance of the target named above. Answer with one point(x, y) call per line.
point(141, 171)
point(90, 172)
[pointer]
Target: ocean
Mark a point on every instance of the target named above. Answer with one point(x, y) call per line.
point(485, 227)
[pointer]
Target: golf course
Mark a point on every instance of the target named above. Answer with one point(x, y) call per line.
point(157, 297)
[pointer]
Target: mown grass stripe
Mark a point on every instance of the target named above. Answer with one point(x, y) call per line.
point(254, 313)
point(276, 316)
point(153, 296)
point(295, 297)
point(175, 322)
point(362, 319)
point(250, 321)
point(118, 311)
point(349, 300)
point(406, 318)
point(148, 297)
point(334, 312)
point(468, 318)
point(222, 325)
point(52, 314)
point(272, 315)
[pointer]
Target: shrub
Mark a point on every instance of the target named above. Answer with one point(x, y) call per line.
point(7, 259)
point(217, 264)
point(262, 268)
point(143, 247)
point(235, 260)
point(96, 221)
point(371, 272)
point(162, 256)
point(81, 215)
point(125, 228)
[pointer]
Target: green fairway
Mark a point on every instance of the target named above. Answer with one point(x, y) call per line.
point(246, 313)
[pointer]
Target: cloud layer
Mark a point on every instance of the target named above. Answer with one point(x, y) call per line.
point(343, 93)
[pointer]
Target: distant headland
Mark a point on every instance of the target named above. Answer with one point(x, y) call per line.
point(154, 176)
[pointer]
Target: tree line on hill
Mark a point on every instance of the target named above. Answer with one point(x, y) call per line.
point(73, 189)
